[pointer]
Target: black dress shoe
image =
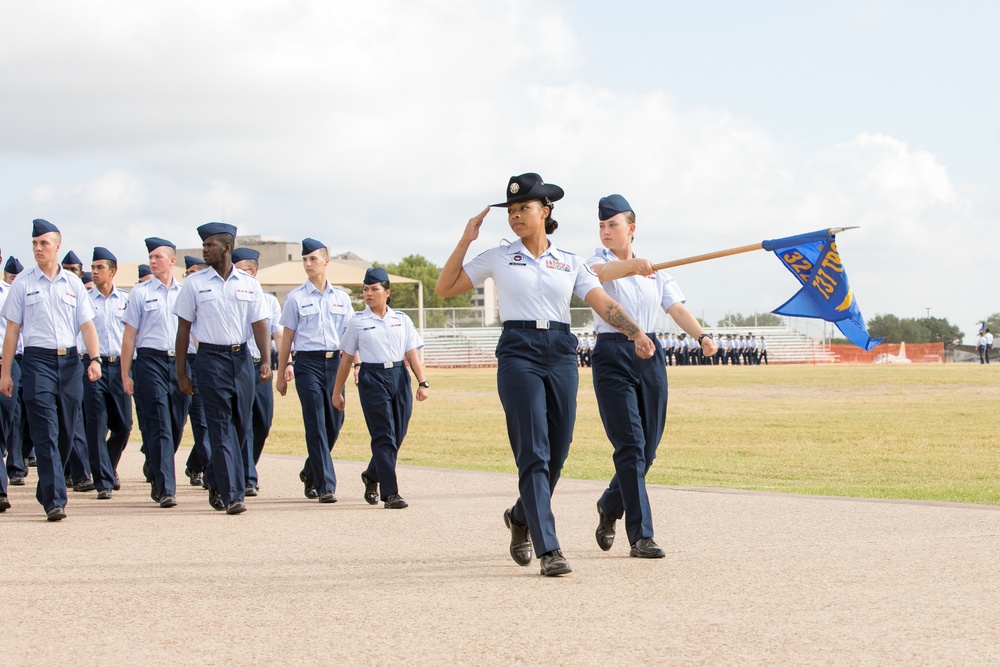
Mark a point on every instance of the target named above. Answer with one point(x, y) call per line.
point(520, 540)
point(194, 478)
point(17, 480)
point(236, 507)
point(371, 490)
point(152, 492)
point(168, 501)
point(251, 490)
point(215, 500)
point(117, 486)
point(56, 514)
point(395, 502)
point(327, 497)
point(309, 488)
point(84, 486)
point(645, 547)
point(104, 494)
point(4, 503)
point(554, 564)
point(31, 462)
point(605, 533)
point(146, 473)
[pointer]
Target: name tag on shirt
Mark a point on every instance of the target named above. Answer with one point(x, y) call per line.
point(151, 304)
point(31, 298)
point(205, 295)
point(308, 308)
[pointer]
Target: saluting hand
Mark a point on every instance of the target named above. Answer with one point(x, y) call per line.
point(644, 348)
point(475, 222)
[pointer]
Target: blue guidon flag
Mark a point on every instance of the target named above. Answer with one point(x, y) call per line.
point(813, 258)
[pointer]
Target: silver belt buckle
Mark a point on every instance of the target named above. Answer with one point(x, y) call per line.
point(387, 364)
point(171, 353)
point(233, 349)
point(328, 355)
point(541, 324)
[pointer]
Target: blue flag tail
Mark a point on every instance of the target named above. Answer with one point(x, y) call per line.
point(825, 294)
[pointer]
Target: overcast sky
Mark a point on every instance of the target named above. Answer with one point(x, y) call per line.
point(381, 127)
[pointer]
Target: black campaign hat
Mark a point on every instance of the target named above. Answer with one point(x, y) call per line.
point(528, 187)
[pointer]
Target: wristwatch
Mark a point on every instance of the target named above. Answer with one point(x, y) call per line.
point(97, 359)
point(702, 336)
point(425, 384)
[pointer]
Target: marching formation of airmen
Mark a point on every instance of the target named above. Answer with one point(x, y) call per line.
point(76, 351)
point(683, 350)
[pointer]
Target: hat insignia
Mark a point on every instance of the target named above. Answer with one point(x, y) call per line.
point(514, 187)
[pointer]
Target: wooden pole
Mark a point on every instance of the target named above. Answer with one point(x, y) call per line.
point(708, 256)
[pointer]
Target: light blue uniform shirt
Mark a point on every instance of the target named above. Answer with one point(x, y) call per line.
point(150, 313)
point(380, 339)
point(530, 288)
point(109, 320)
point(317, 318)
point(224, 310)
point(50, 312)
point(273, 311)
point(641, 296)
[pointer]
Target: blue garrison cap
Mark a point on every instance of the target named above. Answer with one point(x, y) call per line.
point(310, 246)
point(154, 242)
point(144, 271)
point(376, 275)
point(611, 206)
point(39, 227)
point(13, 266)
point(103, 253)
point(240, 254)
point(88, 277)
point(190, 261)
point(213, 228)
point(71, 258)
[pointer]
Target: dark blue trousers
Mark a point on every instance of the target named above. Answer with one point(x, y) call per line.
point(537, 379)
point(262, 414)
point(226, 386)
point(387, 403)
point(200, 453)
point(53, 394)
point(109, 423)
point(315, 376)
point(78, 461)
point(632, 399)
point(10, 429)
point(164, 410)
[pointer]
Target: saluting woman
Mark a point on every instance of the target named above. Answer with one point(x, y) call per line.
point(381, 338)
point(632, 392)
point(537, 374)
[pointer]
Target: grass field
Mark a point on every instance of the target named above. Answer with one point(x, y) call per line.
point(915, 432)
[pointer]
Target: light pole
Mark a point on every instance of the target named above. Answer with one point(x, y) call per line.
point(928, 309)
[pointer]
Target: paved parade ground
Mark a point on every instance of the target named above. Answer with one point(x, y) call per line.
point(749, 578)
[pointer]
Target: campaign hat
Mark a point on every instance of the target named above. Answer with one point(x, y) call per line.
point(528, 187)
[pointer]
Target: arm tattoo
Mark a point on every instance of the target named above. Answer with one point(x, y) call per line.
point(619, 319)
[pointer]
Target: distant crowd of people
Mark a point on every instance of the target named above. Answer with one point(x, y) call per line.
point(683, 350)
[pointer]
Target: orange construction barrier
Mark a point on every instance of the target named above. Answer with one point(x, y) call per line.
point(891, 353)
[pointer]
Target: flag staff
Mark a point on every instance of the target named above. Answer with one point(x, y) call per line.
point(833, 231)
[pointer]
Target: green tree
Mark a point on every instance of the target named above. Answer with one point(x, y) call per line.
point(405, 296)
point(993, 323)
point(741, 321)
point(912, 329)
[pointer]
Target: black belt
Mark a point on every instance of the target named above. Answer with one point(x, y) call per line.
point(384, 365)
point(158, 353)
point(620, 336)
point(231, 349)
point(536, 324)
point(58, 352)
point(319, 354)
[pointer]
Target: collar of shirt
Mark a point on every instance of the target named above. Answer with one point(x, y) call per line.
point(115, 294)
point(154, 283)
point(311, 289)
point(369, 315)
point(517, 247)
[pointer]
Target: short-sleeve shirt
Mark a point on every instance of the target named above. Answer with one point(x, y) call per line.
point(317, 318)
point(380, 339)
point(150, 313)
point(110, 320)
point(530, 288)
point(641, 296)
point(50, 312)
point(224, 309)
point(273, 311)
